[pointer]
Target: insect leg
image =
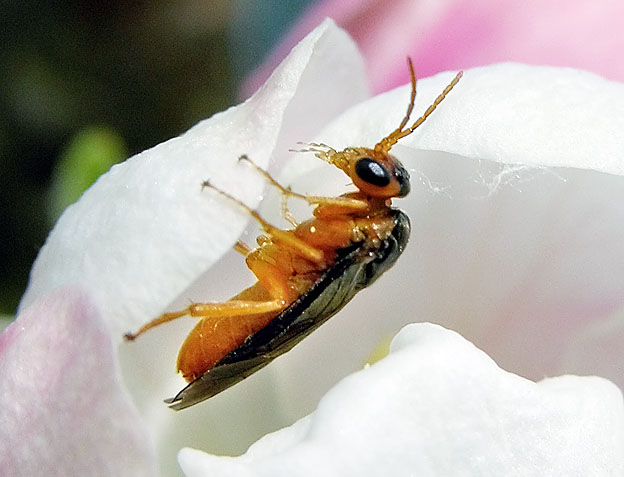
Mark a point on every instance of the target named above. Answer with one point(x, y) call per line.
point(283, 236)
point(212, 310)
point(164, 318)
point(348, 202)
point(242, 248)
point(271, 294)
point(290, 218)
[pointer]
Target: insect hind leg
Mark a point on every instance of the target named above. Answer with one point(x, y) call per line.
point(212, 310)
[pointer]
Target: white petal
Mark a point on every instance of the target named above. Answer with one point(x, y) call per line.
point(509, 113)
point(146, 230)
point(64, 408)
point(438, 406)
point(519, 259)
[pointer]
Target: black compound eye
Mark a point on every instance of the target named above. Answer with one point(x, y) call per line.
point(372, 172)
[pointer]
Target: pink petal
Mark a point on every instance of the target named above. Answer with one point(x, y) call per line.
point(64, 410)
point(446, 34)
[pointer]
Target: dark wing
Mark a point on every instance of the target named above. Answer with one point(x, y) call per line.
point(356, 267)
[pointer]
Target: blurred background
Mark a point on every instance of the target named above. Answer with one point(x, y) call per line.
point(85, 84)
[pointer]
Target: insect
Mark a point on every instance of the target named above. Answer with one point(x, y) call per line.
point(305, 274)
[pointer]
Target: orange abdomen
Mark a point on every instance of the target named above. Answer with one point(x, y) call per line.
point(213, 338)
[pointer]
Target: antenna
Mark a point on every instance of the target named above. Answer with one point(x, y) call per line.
point(391, 139)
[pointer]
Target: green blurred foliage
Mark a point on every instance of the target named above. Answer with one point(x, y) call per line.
point(89, 154)
point(142, 71)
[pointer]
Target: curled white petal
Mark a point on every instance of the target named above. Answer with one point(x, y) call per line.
point(439, 406)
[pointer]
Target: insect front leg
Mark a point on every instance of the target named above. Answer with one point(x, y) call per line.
point(347, 203)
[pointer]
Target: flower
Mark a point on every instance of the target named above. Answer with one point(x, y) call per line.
point(516, 243)
point(452, 34)
point(438, 406)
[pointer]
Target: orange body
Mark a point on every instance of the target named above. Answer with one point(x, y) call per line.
point(281, 271)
